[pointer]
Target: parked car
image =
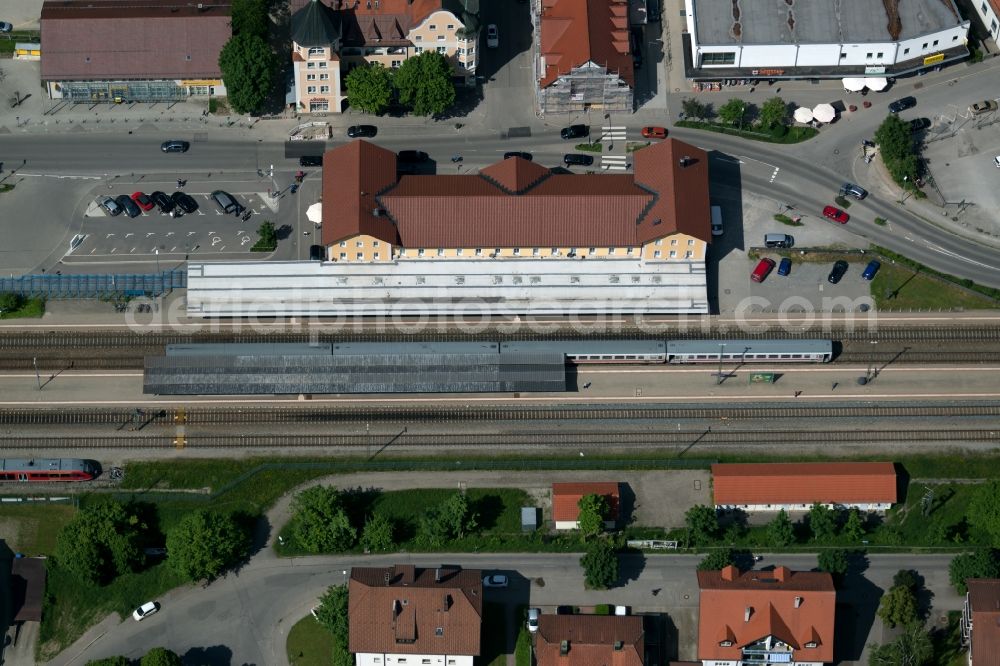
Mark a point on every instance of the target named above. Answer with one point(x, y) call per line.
point(145, 610)
point(762, 270)
point(570, 159)
point(227, 203)
point(412, 156)
point(162, 201)
point(311, 160)
point(839, 268)
point(517, 153)
point(110, 206)
point(856, 191)
point(533, 614)
point(653, 10)
point(654, 132)
point(184, 202)
point(361, 131)
point(175, 146)
point(574, 132)
point(142, 201)
point(871, 269)
point(621, 610)
point(836, 214)
point(496, 580)
point(985, 106)
point(5, 27)
point(564, 610)
point(125, 201)
point(635, 42)
point(919, 124)
point(902, 104)
point(317, 253)
point(492, 36)
point(784, 267)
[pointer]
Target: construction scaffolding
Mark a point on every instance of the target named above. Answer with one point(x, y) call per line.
point(587, 87)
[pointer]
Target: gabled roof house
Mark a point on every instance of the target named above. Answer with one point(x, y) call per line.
point(980, 623)
point(566, 498)
point(589, 640)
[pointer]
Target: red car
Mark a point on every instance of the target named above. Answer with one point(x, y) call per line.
point(654, 132)
point(836, 214)
point(142, 201)
point(763, 269)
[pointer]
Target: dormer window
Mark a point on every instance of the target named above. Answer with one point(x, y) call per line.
point(725, 644)
point(812, 644)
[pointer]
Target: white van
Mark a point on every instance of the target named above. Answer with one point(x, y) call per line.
point(717, 221)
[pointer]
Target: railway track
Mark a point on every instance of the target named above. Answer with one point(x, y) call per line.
point(216, 416)
point(538, 440)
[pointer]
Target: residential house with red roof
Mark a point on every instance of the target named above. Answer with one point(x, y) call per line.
point(589, 640)
point(980, 623)
point(139, 51)
point(408, 616)
point(765, 617)
point(566, 498)
point(583, 56)
point(331, 37)
point(868, 486)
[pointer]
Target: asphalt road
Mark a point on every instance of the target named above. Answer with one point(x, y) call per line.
point(245, 617)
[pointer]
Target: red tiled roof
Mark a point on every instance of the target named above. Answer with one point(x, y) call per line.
point(796, 607)
point(591, 640)
point(418, 611)
point(984, 601)
point(388, 21)
point(139, 39)
point(575, 32)
point(804, 483)
point(566, 496)
point(27, 588)
point(517, 203)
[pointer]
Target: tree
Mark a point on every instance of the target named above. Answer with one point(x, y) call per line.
point(248, 69)
point(780, 531)
point(854, 528)
point(773, 113)
point(377, 534)
point(10, 302)
point(898, 606)
point(733, 112)
point(332, 614)
point(160, 656)
point(907, 578)
point(369, 88)
point(913, 647)
point(716, 560)
point(320, 523)
point(268, 234)
point(424, 84)
point(102, 541)
point(984, 510)
point(451, 520)
point(694, 109)
point(894, 137)
point(249, 17)
point(822, 522)
point(600, 565)
point(702, 524)
point(978, 564)
point(110, 661)
point(593, 509)
point(835, 561)
point(206, 543)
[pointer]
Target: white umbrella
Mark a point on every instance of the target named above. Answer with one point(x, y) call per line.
point(803, 115)
point(854, 85)
point(315, 213)
point(877, 84)
point(824, 113)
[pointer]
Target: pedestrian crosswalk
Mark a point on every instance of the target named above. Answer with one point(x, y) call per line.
point(615, 138)
point(613, 162)
point(613, 133)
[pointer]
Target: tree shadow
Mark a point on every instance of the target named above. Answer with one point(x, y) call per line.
point(359, 503)
point(857, 602)
point(626, 505)
point(630, 567)
point(216, 655)
point(488, 509)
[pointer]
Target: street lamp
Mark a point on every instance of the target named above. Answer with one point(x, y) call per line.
point(722, 349)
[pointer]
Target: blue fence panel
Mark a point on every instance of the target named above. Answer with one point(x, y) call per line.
point(51, 285)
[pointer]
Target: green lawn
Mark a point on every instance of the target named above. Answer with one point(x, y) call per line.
point(309, 644)
point(32, 528)
point(31, 308)
point(944, 525)
point(902, 288)
point(795, 134)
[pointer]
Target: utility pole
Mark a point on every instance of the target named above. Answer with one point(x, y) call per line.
point(38, 378)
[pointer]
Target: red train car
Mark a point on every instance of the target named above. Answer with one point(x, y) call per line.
point(47, 470)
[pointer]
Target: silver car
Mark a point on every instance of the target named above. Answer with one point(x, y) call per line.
point(110, 206)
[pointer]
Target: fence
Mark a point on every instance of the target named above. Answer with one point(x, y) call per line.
point(55, 286)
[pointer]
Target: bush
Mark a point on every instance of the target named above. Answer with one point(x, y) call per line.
point(204, 544)
point(320, 522)
point(160, 656)
point(268, 241)
point(784, 219)
point(880, 221)
point(11, 302)
point(102, 541)
point(842, 202)
point(602, 609)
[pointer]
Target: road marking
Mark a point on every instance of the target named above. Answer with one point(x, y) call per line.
point(775, 174)
point(956, 256)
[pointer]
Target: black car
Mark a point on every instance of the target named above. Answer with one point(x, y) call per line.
point(125, 201)
point(839, 268)
point(570, 159)
point(311, 160)
point(919, 124)
point(317, 253)
point(517, 153)
point(184, 202)
point(902, 104)
point(162, 201)
point(175, 146)
point(652, 10)
point(227, 203)
point(412, 156)
point(574, 131)
point(361, 131)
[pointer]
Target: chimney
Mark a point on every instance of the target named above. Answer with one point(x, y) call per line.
point(619, 645)
point(781, 574)
point(201, 7)
point(798, 601)
point(437, 575)
point(729, 573)
point(377, 212)
point(747, 613)
point(386, 577)
point(446, 603)
point(563, 648)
